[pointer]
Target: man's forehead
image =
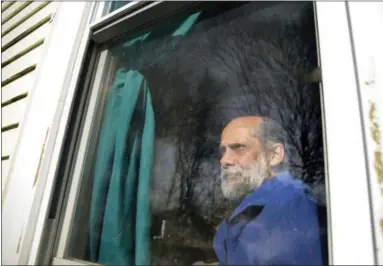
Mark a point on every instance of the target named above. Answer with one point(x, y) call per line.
point(245, 122)
point(235, 134)
point(240, 128)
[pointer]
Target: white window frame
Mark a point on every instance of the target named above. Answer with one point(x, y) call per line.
point(350, 234)
point(347, 183)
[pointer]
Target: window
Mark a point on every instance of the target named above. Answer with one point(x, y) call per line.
point(152, 191)
point(198, 135)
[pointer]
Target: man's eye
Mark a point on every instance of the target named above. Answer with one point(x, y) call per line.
point(240, 148)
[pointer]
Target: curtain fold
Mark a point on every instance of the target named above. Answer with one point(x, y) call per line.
point(120, 205)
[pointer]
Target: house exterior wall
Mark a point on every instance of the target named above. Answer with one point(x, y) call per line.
point(31, 156)
point(25, 27)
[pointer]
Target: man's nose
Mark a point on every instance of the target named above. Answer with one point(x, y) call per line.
point(227, 160)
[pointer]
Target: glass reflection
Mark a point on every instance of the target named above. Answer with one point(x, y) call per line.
point(211, 148)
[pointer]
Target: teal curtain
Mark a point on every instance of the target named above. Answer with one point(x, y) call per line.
point(120, 212)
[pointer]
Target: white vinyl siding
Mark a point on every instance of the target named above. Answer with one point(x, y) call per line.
point(8, 146)
point(4, 170)
point(47, 11)
point(12, 10)
point(17, 87)
point(25, 27)
point(28, 41)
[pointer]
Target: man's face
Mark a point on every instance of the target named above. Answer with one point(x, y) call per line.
point(244, 164)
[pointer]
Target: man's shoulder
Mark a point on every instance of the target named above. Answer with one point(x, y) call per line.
point(295, 189)
point(290, 197)
point(280, 192)
point(280, 195)
point(296, 194)
point(295, 207)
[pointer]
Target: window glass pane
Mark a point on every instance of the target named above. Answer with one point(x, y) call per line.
point(114, 5)
point(211, 145)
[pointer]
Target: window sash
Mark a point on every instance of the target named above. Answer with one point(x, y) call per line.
point(80, 165)
point(134, 16)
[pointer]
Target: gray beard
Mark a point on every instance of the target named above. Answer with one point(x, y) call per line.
point(237, 182)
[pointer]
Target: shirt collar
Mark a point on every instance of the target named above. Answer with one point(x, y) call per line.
point(266, 193)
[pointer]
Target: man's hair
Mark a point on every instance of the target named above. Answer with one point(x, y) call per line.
point(270, 132)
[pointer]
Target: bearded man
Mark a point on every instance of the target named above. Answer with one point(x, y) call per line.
point(276, 221)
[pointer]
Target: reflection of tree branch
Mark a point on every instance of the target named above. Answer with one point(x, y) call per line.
point(207, 80)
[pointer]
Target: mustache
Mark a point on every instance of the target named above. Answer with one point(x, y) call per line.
point(231, 171)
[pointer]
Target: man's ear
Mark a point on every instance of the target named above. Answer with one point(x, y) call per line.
point(276, 154)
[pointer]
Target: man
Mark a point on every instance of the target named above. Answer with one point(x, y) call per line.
point(276, 220)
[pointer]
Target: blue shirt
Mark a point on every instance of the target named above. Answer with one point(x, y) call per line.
point(275, 224)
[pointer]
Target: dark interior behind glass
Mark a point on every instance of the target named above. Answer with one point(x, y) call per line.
point(238, 59)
